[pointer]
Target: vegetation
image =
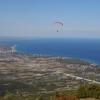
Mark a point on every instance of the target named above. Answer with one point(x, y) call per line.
point(73, 61)
point(14, 90)
point(88, 91)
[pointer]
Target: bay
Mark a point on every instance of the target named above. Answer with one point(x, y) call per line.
point(80, 48)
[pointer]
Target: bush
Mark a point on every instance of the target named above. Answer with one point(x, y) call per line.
point(81, 92)
point(90, 91)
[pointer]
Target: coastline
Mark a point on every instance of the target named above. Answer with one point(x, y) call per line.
point(13, 48)
point(58, 56)
point(88, 50)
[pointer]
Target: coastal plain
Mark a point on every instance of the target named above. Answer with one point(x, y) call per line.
point(46, 74)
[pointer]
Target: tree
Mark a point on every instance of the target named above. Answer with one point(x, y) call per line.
point(93, 91)
point(81, 92)
point(90, 90)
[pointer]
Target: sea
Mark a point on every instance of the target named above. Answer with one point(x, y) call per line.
point(80, 48)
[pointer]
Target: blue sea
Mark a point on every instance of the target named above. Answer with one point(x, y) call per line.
point(85, 49)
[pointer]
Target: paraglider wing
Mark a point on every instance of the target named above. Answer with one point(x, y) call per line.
point(58, 23)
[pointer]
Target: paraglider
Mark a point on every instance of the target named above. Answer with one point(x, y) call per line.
point(58, 23)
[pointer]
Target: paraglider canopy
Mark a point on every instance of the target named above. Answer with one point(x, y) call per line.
point(58, 23)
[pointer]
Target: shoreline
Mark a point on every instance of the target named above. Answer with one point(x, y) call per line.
point(55, 56)
point(62, 50)
point(13, 48)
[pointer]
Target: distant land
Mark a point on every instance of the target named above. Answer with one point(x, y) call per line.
point(15, 38)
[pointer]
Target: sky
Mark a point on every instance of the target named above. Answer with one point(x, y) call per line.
point(34, 18)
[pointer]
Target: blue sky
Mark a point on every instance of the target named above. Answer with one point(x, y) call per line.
point(34, 18)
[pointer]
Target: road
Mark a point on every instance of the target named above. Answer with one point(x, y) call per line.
point(80, 78)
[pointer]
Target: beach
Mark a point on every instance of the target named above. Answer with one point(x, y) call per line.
point(13, 48)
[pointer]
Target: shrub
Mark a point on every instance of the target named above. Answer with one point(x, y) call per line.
point(91, 91)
